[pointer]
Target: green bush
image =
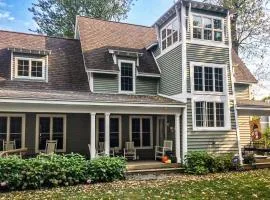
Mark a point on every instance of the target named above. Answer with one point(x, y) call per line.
point(249, 159)
point(57, 170)
point(202, 162)
point(105, 169)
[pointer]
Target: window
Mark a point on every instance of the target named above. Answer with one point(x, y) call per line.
point(51, 127)
point(209, 114)
point(170, 34)
point(127, 76)
point(207, 28)
point(208, 79)
point(115, 130)
point(29, 68)
point(141, 131)
point(11, 129)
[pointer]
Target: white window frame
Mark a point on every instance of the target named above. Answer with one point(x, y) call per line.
point(213, 28)
point(120, 61)
point(200, 64)
point(173, 45)
point(29, 77)
point(151, 130)
point(119, 117)
point(8, 116)
point(51, 116)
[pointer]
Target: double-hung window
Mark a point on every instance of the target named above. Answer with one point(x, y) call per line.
point(141, 131)
point(209, 114)
point(207, 28)
point(170, 34)
point(29, 68)
point(127, 76)
point(12, 129)
point(208, 79)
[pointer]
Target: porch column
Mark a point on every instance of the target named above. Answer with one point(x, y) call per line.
point(184, 134)
point(107, 134)
point(93, 136)
point(177, 138)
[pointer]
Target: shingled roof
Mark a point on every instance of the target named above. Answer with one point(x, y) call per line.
point(98, 36)
point(241, 72)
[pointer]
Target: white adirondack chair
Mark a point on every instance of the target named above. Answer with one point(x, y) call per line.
point(160, 151)
point(51, 146)
point(130, 151)
point(101, 149)
point(9, 145)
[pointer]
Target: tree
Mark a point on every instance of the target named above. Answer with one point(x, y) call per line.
point(250, 24)
point(57, 17)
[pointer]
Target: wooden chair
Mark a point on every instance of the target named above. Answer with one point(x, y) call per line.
point(9, 145)
point(130, 151)
point(51, 146)
point(160, 151)
point(101, 149)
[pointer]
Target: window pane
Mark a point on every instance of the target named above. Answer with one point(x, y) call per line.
point(36, 70)
point(126, 77)
point(3, 131)
point(114, 132)
point(197, 21)
point(169, 41)
point(208, 78)
point(220, 114)
point(163, 34)
point(175, 36)
point(199, 113)
point(217, 24)
point(135, 125)
point(218, 36)
point(218, 79)
point(101, 129)
point(197, 33)
point(208, 34)
point(169, 29)
point(175, 25)
point(207, 23)
point(23, 67)
point(198, 78)
point(146, 139)
point(58, 131)
point(210, 114)
point(146, 124)
point(44, 125)
point(146, 129)
point(164, 44)
point(15, 125)
point(136, 132)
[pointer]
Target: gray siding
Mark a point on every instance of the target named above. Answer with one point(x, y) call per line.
point(171, 72)
point(105, 83)
point(146, 85)
point(207, 54)
point(242, 91)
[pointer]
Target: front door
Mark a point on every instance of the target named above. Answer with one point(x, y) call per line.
point(161, 130)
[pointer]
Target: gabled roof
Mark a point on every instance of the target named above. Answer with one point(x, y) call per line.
point(241, 72)
point(98, 36)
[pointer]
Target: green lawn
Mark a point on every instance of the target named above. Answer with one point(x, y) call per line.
point(242, 185)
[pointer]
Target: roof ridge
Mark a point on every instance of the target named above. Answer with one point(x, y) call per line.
point(38, 35)
point(131, 24)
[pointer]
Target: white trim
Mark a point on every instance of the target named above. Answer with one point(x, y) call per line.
point(165, 118)
point(51, 116)
point(29, 77)
point(47, 69)
point(112, 116)
point(148, 75)
point(102, 71)
point(8, 116)
point(167, 50)
point(120, 61)
point(177, 138)
point(184, 134)
point(184, 49)
point(91, 81)
point(12, 66)
point(225, 77)
point(252, 108)
point(156, 62)
point(92, 135)
point(151, 46)
point(151, 130)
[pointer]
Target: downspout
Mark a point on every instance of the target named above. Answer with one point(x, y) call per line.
point(233, 90)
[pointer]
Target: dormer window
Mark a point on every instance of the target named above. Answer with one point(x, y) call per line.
point(127, 76)
point(207, 28)
point(170, 34)
point(29, 68)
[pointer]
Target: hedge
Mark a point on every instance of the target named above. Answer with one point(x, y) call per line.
point(57, 170)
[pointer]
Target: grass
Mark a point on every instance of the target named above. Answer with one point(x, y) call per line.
point(238, 185)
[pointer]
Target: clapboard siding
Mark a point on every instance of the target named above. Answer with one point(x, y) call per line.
point(242, 91)
point(243, 122)
point(107, 83)
point(207, 54)
point(146, 85)
point(171, 72)
point(232, 111)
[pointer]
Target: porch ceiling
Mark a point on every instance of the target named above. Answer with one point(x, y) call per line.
point(251, 107)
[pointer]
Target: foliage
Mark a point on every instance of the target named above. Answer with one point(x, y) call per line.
point(56, 170)
point(105, 169)
point(202, 162)
point(242, 185)
point(249, 159)
point(58, 17)
point(266, 137)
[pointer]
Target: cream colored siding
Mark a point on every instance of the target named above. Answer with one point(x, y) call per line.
point(243, 122)
point(242, 91)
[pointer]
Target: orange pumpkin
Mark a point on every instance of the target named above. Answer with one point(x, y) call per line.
point(164, 159)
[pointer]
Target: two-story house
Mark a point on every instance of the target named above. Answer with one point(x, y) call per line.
point(118, 82)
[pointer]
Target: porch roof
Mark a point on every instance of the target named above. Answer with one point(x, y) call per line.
point(85, 97)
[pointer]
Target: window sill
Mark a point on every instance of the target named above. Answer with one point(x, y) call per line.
point(209, 93)
point(29, 79)
point(126, 92)
point(205, 129)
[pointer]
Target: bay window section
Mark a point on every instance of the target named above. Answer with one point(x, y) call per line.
point(141, 131)
point(207, 28)
point(170, 34)
point(209, 114)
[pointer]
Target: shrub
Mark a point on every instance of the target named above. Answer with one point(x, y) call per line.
point(201, 162)
point(249, 159)
point(105, 169)
point(57, 170)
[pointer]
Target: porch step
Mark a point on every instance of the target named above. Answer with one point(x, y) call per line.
point(155, 171)
point(150, 165)
point(264, 160)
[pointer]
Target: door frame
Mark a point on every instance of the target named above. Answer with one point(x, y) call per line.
point(157, 128)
